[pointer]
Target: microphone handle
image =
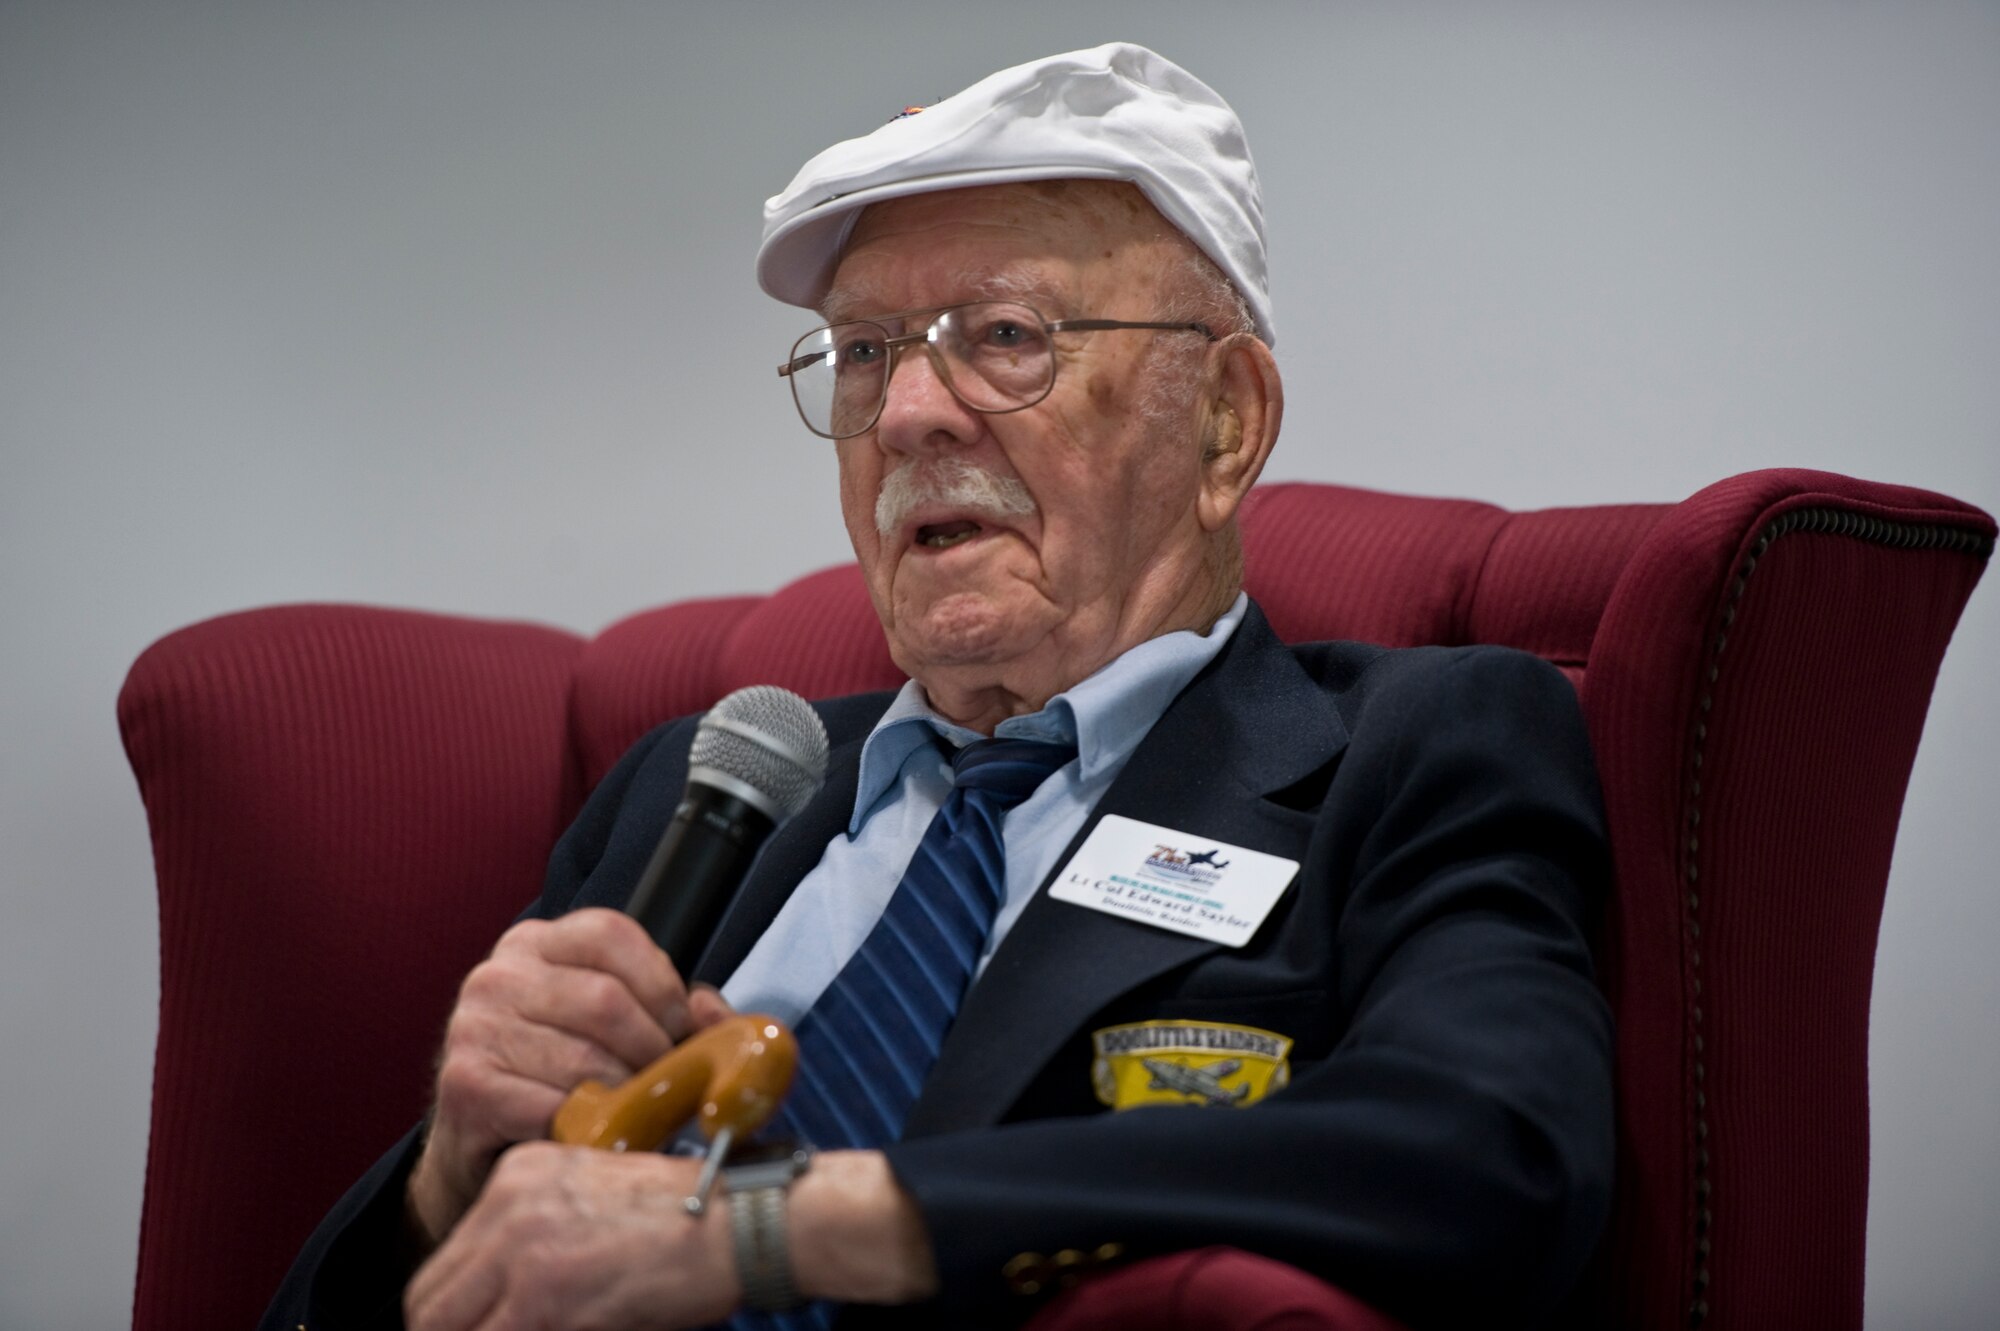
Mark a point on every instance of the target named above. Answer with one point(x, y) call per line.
point(695, 870)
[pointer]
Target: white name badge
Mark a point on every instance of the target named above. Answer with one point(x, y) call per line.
point(1174, 880)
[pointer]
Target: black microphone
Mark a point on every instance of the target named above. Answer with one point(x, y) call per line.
point(758, 757)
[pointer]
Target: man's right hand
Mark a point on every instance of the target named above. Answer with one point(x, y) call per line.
point(559, 1001)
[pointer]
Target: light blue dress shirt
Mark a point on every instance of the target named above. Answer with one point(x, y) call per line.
point(904, 780)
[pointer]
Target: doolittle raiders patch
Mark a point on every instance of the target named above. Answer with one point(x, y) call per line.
point(1187, 1062)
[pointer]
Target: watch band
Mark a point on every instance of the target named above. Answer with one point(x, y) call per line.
point(763, 1260)
point(757, 1196)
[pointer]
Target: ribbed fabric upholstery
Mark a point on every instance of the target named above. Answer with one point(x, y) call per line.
point(335, 794)
point(817, 637)
point(1392, 569)
point(1213, 1289)
point(1547, 576)
point(648, 667)
point(1754, 665)
point(1755, 700)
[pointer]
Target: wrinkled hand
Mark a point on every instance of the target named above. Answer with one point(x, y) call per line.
point(558, 1001)
point(566, 1236)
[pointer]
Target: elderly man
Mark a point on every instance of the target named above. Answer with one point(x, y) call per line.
point(1047, 373)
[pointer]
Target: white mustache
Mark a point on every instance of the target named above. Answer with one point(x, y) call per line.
point(950, 483)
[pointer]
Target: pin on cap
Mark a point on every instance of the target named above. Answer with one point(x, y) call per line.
point(1113, 112)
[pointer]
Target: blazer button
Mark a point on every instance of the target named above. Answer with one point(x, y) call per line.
point(1026, 1273)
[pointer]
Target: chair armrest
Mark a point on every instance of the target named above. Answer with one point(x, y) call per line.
point(1756, 689)
point(1209, 1289)
point(346, 806)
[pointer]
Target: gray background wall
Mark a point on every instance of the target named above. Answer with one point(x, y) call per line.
point(450, 306)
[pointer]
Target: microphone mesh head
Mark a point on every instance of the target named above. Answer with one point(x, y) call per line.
point(768, 738)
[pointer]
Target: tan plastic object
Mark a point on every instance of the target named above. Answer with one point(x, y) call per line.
point(733, 1075)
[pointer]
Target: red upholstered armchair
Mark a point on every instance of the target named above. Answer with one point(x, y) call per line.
point(1754, 664)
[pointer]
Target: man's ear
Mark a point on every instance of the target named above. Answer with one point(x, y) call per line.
point(1243, 418)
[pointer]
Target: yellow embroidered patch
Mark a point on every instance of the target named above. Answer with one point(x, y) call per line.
point(1187, 1062)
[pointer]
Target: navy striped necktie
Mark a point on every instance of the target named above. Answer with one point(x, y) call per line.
point(868, 1043)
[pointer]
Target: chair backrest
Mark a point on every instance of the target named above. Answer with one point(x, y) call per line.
point(348, 805)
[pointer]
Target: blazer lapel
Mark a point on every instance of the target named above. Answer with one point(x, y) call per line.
point(1251, 724)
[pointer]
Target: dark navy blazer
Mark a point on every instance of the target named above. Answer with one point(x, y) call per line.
point(1444, 1148)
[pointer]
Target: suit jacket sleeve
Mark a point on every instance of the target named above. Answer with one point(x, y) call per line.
point(1448, 1157)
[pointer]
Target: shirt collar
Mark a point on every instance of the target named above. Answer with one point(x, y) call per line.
point(1105, 715)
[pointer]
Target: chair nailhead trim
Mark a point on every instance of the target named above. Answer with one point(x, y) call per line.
point(1822, 521)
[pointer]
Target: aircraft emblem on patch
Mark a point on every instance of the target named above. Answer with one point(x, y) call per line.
point(1204, 1063)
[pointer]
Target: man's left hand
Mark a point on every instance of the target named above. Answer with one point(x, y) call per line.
point(568, 1236)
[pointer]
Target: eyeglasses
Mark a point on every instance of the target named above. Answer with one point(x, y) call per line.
point(994, 355)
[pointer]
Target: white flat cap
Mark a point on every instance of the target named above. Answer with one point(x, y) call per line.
point(1113, 112)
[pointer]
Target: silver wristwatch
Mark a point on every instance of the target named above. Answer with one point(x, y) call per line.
point(757, 1224)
